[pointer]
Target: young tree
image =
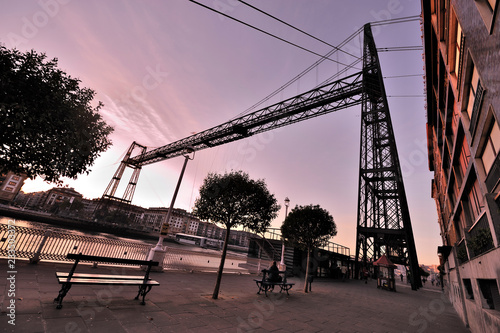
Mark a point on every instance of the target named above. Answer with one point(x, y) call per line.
point(233, 199)
point(308, 227)
point(49, 127)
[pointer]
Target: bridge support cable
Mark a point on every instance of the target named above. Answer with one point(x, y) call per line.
point(383, 222)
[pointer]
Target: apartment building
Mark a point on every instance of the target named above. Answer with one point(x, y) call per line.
point(10, 185)
point(180, 221)
point(462, 66)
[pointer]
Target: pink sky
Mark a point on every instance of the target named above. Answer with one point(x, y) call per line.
point(166, 69)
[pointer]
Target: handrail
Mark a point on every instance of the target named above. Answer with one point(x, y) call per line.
point(275, 234)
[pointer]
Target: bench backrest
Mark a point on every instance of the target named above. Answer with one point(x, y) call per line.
point(85, 257)
point(266, 272)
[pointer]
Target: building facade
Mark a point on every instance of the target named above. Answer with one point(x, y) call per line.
point(239, 238)
point(10, 185)
point(462, 66)
point(181, 221)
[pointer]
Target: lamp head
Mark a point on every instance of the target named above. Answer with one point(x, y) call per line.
point(187, 151)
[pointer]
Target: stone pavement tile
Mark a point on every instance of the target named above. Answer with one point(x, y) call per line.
point(294, 325)
point(272, 324)
point(28, 306)
point(162, 319)
point(173, 309)
point(126, 316)
point(90, 314)
point(52, 287)
point(68, 310)
point(223, 313)
point(182, 328)
point(23, 323)
point(141, 327)
point(217, 323)
point(25, 292)
point(190, 320)
point(67, 324)
point(25, 287)
point(105, 326)
point(48, 297)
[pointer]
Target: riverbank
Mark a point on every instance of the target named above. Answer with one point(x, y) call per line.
point(67, 223)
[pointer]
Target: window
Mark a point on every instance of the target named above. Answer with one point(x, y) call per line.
point(464, 157)
point(489, 292)
point(458, 50)
point(473, 95)
point(476, 201)
point(487, 10)
point(491, 146)
point(468, 289)
point(473, 86)
point(472, 204)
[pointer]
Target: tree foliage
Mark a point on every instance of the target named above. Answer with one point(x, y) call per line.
point(308, 227)
point(49, 127)
point(233, 199)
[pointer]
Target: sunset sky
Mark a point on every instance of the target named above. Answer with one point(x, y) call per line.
point(167, 69)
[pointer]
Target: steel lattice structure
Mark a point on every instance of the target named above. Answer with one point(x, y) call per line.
point(383, 224)
point(331, 97)
point(110, 192)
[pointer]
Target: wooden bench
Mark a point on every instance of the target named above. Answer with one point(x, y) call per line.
point(68, 279)
point(265, 285)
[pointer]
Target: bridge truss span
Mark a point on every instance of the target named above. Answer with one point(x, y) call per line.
point(328, 98)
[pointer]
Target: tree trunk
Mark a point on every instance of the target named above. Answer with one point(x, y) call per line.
point(307, 271)
point(221, 266)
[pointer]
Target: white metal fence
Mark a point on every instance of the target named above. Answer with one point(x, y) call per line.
point(39, 244)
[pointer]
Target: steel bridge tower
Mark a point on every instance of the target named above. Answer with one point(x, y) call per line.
point(109, 198)
point(384, 225)
point(383, 219)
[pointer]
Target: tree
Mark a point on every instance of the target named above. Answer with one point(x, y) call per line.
point(49, 127)
point(308, 227)
point(233, 199)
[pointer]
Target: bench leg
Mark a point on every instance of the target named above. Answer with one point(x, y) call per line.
point(285, 288)
point(64, 290)
point(143, 290)
point(261, 286)
point(268, 287)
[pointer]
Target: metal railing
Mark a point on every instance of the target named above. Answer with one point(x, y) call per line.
point(275, 233)
point(39, 244)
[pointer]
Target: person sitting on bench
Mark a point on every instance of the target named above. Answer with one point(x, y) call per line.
point(274, 273)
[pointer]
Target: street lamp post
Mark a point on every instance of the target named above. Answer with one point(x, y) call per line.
point(282, 263)
point(158, 252)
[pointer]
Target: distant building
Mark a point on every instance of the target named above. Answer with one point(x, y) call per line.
point(58, 195)
point(211, 230)
point(32, 200)
point(181, 221)
point(10, 185)
point(462, 66)
point(236, 237)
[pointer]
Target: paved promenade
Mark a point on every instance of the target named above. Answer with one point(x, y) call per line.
point(183, 303)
